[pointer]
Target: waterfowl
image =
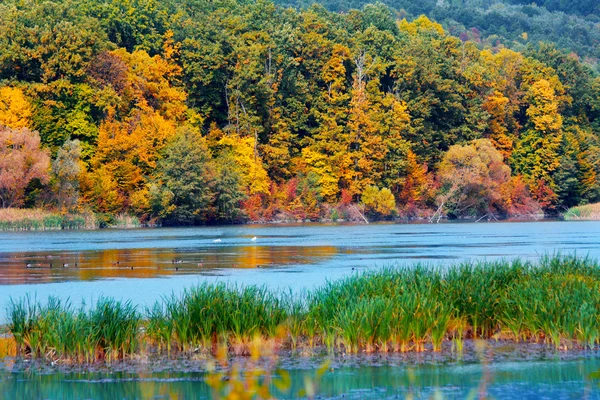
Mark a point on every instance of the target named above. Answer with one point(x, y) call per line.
point(217, 241)
point(65, 265)
point(28, 265)
point(254, 239)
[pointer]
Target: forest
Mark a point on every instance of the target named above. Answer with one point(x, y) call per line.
point(186, 112)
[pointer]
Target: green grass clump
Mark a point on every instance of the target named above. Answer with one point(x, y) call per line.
point(587, 211)
point(207, 313)
point(18, 219)
point(554, 301)
point(106, 331)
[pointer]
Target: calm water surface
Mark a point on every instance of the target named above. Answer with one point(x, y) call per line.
point(503, 380)
point(144, 264)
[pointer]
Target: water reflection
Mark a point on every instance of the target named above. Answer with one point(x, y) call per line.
point(44, 267)
point(508, 380)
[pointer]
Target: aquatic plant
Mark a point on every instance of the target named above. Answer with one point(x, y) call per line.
point(207, 312)
point(17, 219)
point(587, 211)
point(554, 301)
point(107, 330)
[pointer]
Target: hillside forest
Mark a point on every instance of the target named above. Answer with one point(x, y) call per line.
point(191, 111)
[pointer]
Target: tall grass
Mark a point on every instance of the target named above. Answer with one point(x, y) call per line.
point(107, 330)
point(554, 301)
point(17, 219)
point(588, 211)
point(207, 313)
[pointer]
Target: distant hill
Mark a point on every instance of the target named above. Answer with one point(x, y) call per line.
point(572, 25)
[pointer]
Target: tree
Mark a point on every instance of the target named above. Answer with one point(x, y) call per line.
point(66, 169)
point(377, 202)
point(536, 153)
point(184, 190)
point(471, 177)
point(228, 189)
point(21, 161)
point(15, 110)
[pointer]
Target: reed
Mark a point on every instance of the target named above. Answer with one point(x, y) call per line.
point(208, 312)
point(17, 219)
point(554, 301)
point(108, 330)
point(585, 212)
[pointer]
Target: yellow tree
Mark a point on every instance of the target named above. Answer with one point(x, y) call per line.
point(138, 127)
point(536, 154)
point(326, 153)
point(15, 109)
point(253, 174)
point(471, 178)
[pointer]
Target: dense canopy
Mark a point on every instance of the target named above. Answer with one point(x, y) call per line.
point(194, 111)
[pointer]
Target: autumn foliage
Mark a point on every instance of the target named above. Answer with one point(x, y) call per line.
point(198, 112)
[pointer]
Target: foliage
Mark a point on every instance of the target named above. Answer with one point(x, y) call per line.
point(15, 110)
point(66, 169)
point(186, 174)
point(299, 111)
point(21, 161)
point(471, 179)
point(378, 201)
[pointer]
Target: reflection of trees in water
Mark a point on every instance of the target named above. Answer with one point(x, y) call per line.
point(454, 381)
point(148, 263)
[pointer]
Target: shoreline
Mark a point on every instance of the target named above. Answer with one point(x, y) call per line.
point(411, 220)
point(474, 351)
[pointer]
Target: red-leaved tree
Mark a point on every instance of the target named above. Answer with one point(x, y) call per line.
point(21, 161)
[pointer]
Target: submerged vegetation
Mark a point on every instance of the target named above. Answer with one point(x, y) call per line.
point(412, 308)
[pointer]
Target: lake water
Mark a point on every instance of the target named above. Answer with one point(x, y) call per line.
point(550, 379)
point(145, 264)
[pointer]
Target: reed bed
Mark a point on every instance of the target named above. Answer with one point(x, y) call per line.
point(208, 314)
point(587, 211)
point(413, 308)
point(108, 330)
point(18, 219)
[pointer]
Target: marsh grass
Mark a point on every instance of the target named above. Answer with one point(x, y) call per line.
point(207, 313)
point(17, 219)
point(554, 301)
point(107, 330)
point(588, 211)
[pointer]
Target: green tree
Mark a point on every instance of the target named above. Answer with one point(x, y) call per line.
point(66, 169)
point(228, 189)
point(185, 187)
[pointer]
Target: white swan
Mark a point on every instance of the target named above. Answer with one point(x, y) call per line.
point(217, 241)
point(253, 239)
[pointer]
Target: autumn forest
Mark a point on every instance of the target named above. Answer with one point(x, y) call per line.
point(184, 112)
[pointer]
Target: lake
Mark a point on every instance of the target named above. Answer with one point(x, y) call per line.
point(546, 379)
point(142, 265)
